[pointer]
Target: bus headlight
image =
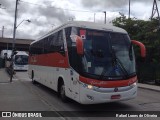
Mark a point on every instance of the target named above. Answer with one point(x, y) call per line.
point(90, 87)
point(133, 85)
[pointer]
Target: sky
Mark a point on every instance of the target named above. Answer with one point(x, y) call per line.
point(46, 15)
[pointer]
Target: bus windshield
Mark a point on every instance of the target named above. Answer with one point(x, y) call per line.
point(21, 60)
point(108, 55)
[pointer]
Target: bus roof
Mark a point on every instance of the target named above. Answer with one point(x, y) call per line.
point(84, 24)
point(21, 53)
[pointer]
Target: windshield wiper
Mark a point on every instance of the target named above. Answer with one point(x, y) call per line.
point(115, 62)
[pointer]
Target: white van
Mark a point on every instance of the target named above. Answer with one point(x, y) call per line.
point(6, 53)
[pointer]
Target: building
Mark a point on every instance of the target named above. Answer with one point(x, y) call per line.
point(20, 44)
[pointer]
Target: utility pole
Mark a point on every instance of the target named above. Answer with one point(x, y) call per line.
point(15, 24)
point(129, 9)
point(2, 31)
point(13, 43)
point(94, 17)
point(105, 17)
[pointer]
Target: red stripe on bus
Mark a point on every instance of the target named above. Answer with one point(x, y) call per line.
point(108, 83)
point(51, 59)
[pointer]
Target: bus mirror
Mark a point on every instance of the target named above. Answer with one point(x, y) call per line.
point(142, 47)
point(79, 44)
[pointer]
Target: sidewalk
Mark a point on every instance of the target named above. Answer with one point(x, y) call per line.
point(4, 77)
point(149, 87)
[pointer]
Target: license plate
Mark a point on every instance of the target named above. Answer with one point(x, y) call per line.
point(20, 66)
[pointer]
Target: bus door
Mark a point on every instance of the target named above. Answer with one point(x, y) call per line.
point(74, 84)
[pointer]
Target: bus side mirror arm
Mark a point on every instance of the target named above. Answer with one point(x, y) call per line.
point(142, 47)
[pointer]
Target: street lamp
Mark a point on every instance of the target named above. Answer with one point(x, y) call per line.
point(21, 22)
point(13, 46)
point(14, 38)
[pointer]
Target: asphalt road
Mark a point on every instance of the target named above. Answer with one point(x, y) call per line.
point(146, 100)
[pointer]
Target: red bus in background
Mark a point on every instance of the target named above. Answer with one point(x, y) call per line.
point(88, 62)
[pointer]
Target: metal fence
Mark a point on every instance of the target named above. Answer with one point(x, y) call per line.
point(148, 72)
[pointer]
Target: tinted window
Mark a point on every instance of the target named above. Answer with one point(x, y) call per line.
point(67, 34)
point(52, 43)
point(21, 60)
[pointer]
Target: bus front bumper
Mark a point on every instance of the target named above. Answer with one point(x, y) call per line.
point(89, 95)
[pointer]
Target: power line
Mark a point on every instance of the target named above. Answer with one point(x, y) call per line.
point(55, 7)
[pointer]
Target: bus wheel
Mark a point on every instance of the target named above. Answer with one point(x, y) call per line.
point(33, 81)
point(62, 93)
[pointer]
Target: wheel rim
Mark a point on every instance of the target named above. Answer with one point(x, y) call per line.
point(62, 90)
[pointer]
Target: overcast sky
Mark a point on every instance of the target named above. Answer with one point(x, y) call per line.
point(48, 14)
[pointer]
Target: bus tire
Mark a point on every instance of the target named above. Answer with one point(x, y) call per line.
point(32, 77)
point(62, 92)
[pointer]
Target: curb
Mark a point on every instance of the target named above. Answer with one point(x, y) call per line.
point(149, 87)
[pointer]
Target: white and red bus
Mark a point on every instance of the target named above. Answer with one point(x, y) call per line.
point(88, 62)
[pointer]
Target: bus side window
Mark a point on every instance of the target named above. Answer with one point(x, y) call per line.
point(51, 43)
point(59, 43)
point(46, 45)
point(40, 47)
point(30, 50)
point(67, 34)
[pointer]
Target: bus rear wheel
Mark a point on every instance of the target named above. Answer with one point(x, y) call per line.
point(62, 93)
point(33, 81)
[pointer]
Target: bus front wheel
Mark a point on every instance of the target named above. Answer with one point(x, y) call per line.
point(62, 93)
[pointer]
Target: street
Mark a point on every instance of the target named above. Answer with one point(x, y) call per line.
point(146, 100)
